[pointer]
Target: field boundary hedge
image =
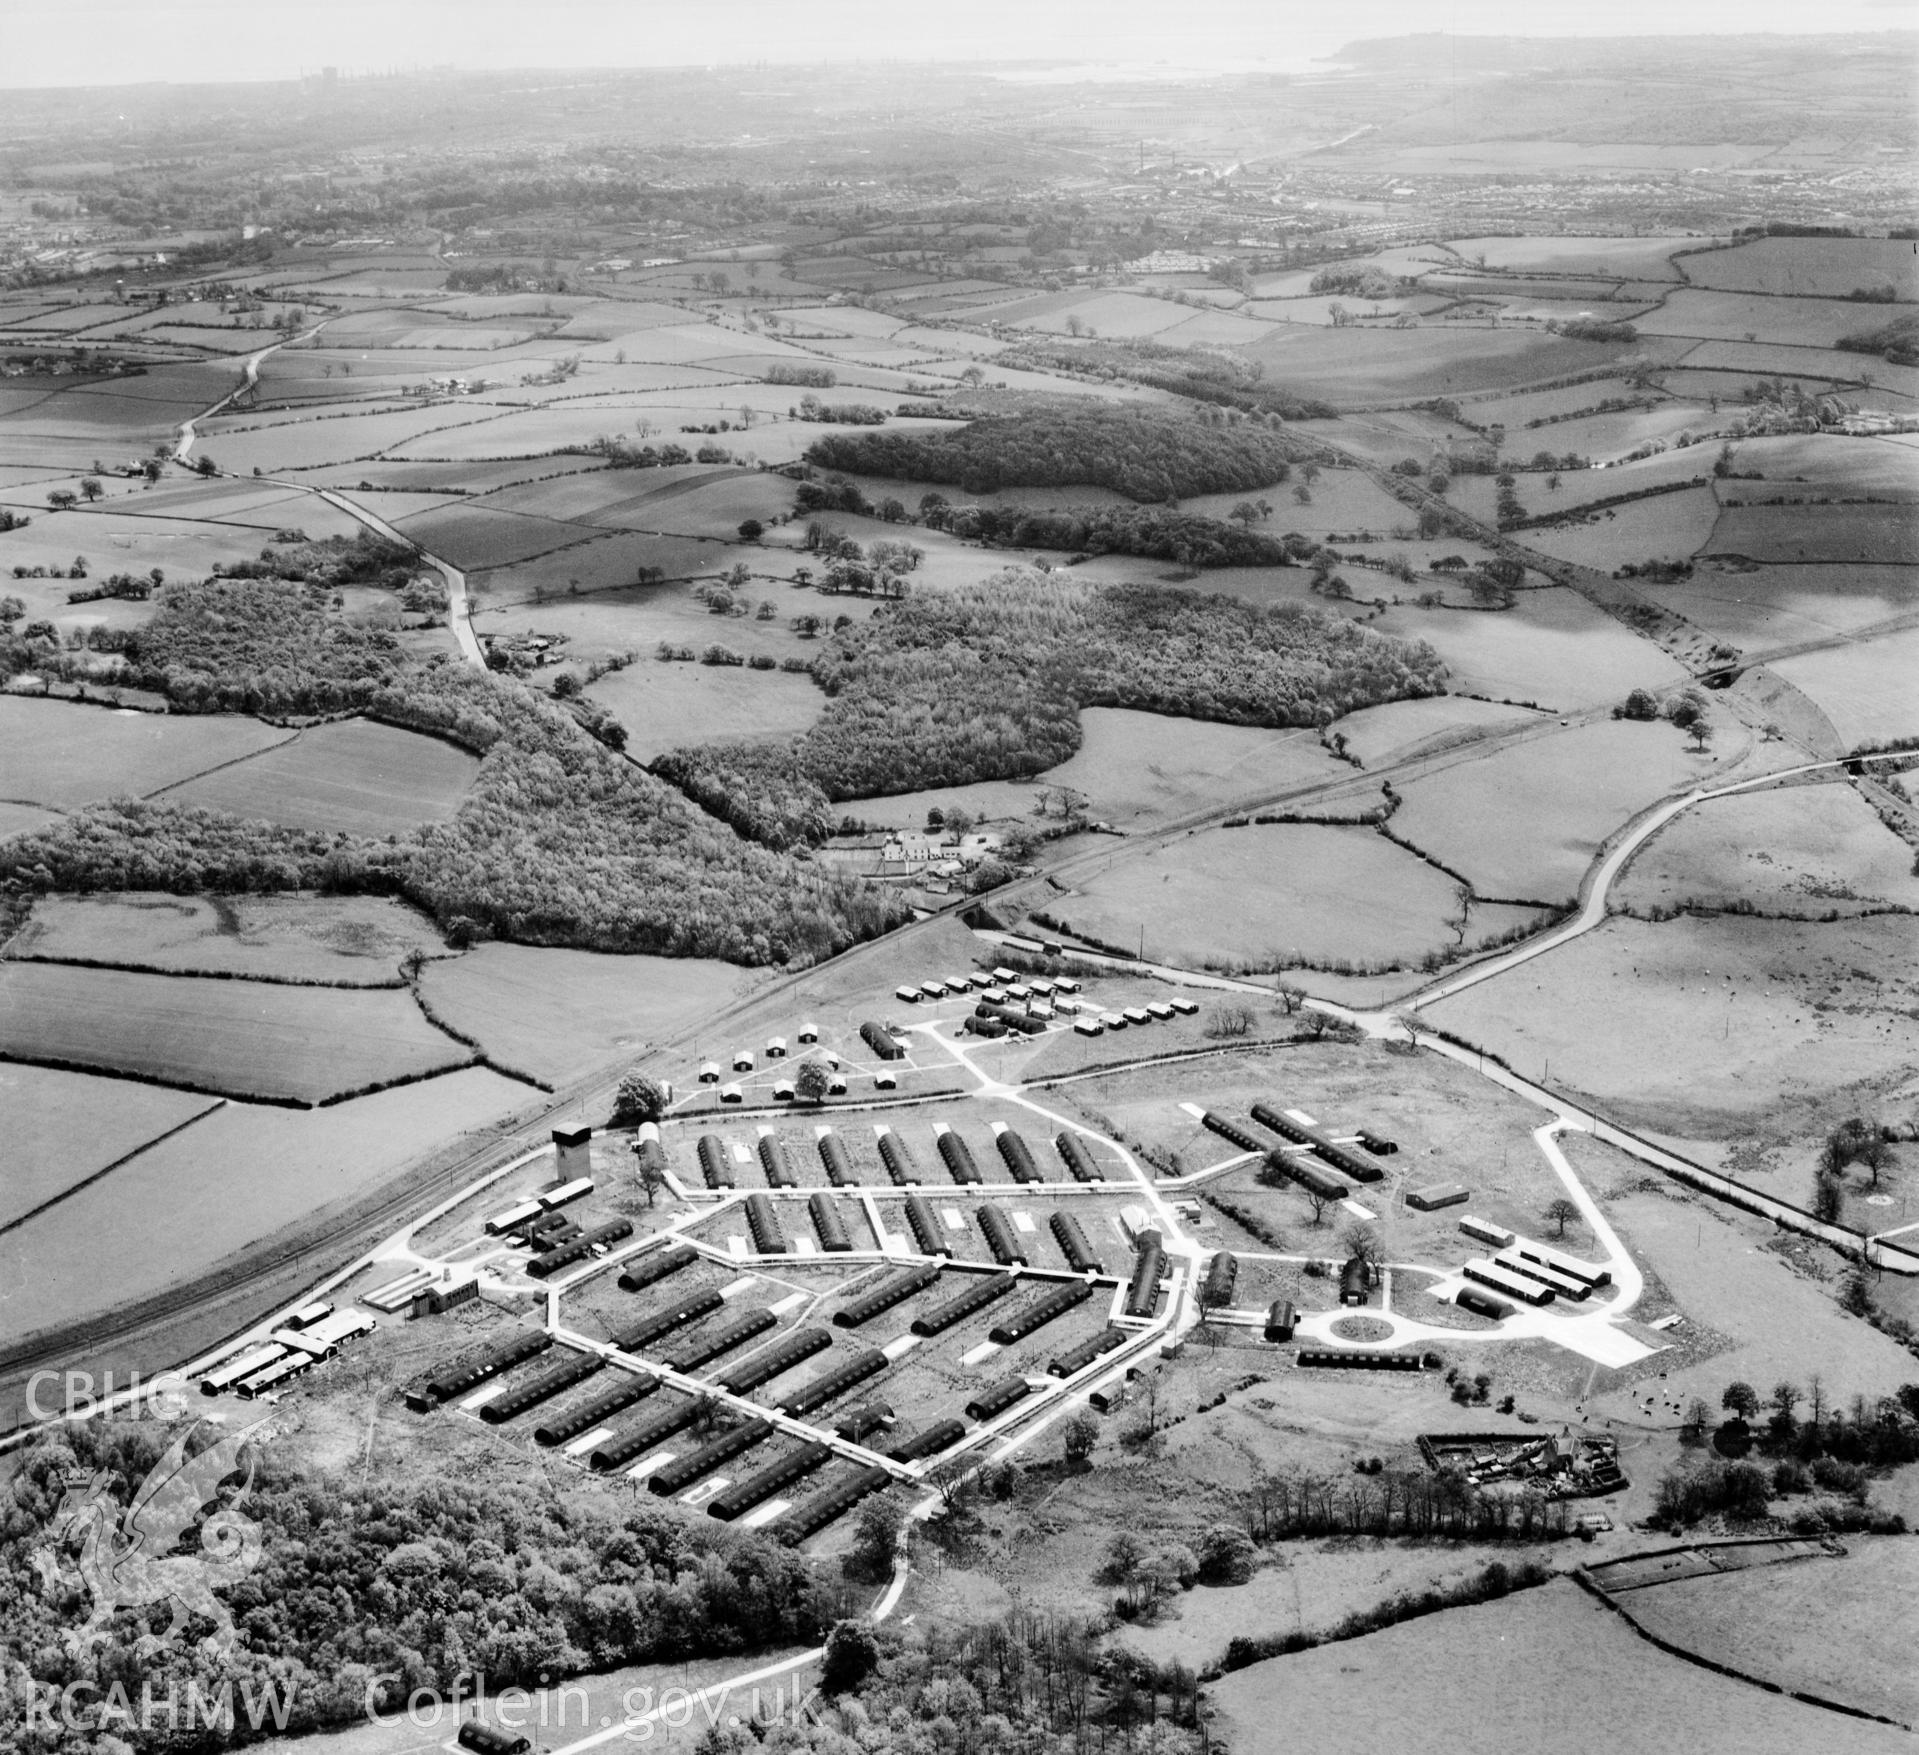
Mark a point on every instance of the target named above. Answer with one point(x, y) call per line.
point(124, 1158)
point(209, 974)
point(1594, 1589)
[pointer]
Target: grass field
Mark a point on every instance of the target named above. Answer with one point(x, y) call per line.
point(61, 754)
point(1881, 534)
point(472, 537)
point(1528, 820)
point(1779, 606)
point(1755, 1314)
point(1410, 1675)
point(1554, 648)
point(558, 1013)
point(354, 776)
point(1866, 689)
point(356, 939)
point(1667, 527)
point(1640, 258)
point(1288, 892)
point(1798, 850)
point(664, 706)
point(1737, 316)
point(1828, 267)
point(62, 1127)
point(245, 1038)
point(1138, 769)
point(223, 1184)
point(1713, 1027)
point(1820, 1626)
point(1400, 728)
point(1359, 365)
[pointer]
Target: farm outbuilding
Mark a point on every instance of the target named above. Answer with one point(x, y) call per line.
point(957, 1309)
point(1438, 1195)
point(676, 1313)
point(576, 1422)
point(649, 1270)
point(886, 1294)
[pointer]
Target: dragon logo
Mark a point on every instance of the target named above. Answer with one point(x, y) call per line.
point(127, 1559)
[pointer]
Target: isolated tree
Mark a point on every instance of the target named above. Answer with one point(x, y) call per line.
point(1362, 1242)
point(640, 1097)
point(812, 1083)
point(151, 470)
point(1740, 1398)
point(1080, 1434)
point(649, 1171)
point(1701, 734)
point(1828, 1198)
point(751, 530)
point(1698, 1418)
point(852, 1654)
point(62, 499)
point(1319, 1203)
point(1226, 1554)
point(876, 1532)
point(1123, 1562)
point(1562, 1212)
point(91, 488)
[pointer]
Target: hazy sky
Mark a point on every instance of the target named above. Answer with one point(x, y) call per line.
point(106, 42)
